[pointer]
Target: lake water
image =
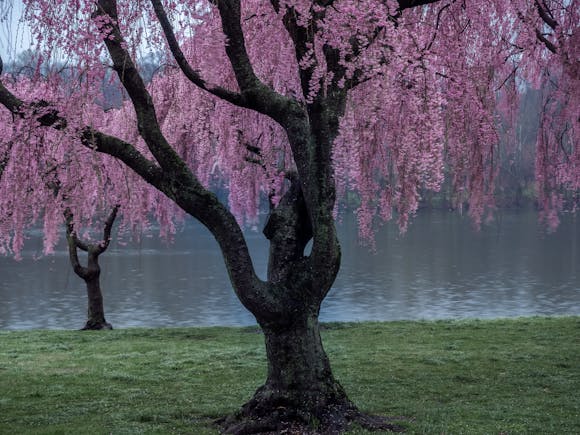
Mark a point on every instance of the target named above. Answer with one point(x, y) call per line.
point(442, 268)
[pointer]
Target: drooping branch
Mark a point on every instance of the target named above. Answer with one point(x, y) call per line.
point(437, 22)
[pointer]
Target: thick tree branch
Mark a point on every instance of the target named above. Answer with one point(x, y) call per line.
point(545, 15)
point(179, 184)
point(188, 71)
point(236, 46)
point(90, 137)
point(147, 122)
point(123, 151)
point(408, 4)
point(44, 113)
point(257, 95)
point(302, 39)
point(549, 44)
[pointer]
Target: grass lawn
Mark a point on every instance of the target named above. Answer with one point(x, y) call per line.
point(468, 376)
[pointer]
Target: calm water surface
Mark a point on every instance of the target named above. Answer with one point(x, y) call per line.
point(441, 268)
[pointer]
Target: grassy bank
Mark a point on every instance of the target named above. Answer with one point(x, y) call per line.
point(488, 377)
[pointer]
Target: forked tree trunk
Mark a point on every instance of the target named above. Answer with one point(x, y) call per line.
point(300, 394)
point(92, 272)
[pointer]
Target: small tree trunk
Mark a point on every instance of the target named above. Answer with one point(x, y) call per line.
point(92, 272)
point(96, 312)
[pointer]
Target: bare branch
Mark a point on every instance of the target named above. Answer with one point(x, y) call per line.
point(545, 14)
point(102, 247)
point(236, 47)
point(147, 122)
point(408, 4)
point(188, 71)
point(549, 44)
point(74, 243)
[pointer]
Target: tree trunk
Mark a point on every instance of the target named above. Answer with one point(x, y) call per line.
point(91, 274)
point(96, 312)
point(300, 391)
point(300, 394)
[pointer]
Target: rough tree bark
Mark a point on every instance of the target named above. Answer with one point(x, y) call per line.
point(92, 272)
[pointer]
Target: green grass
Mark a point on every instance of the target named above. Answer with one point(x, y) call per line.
point(453, 377)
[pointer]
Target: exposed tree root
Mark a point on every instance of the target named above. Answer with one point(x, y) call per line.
point(272, 417)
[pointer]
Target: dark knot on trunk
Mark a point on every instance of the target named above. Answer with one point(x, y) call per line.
point(289, 229)
point(290, 220)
